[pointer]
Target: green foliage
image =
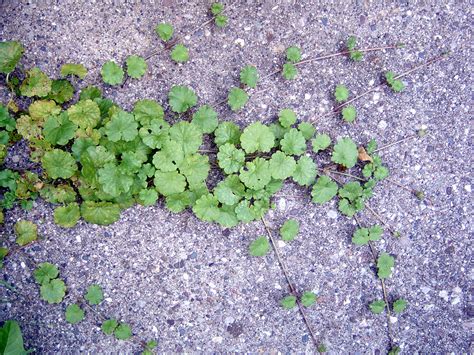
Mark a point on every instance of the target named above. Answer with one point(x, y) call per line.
point(399, 305)
point(112, 73)
point(136, 66)
point(257, 137)
point(59, 164)
point(221, 20)
point(293, 142)
point(322, 348)
point(94, 294)
point(324, 190)
point(217, 8)
point(26, 232)
point(11, 339)
point(181, 98)
point(122, 126)
point(36, 83)
point(53, 291)
point(293, 54)
point(59, 130)
point(180, 54)
point(85, 114)
point(287, 117)
point(341, 93)
point(349, 113)
point(259, 247)
point(45, 272)
point(147, 111)
point(230, 158)
point(206, 119)
point(289, 71)
point(10, 55)
point(74, 314)
point(249, 76)
point(67, 216)
point(61, 91)
point(305, 171)
point(108, 326)
point(288, 302)
point(256, 174)
point(165, 31)
point(78, 70)
point(237, 98)
point(320, 142)
point(345, 153)
point(307, 130)
point(395, 84)
point(377, 306)
point(102, 213)
point(354, 54)
point(282, 166)
point(150, 345)
point(363, 236)
point(308, 298)
point(123, 331)
point(352, 196)
point(289, 230)
point(385, 263)
point(227, 132)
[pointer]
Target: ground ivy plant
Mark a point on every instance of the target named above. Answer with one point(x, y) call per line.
point(98, 159)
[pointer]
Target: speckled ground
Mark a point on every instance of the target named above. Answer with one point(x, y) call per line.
point(192, 285)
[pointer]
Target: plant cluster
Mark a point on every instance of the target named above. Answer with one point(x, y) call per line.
point(98, 159)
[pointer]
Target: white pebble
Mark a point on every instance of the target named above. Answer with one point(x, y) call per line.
point(185, 277)
point(281, 244)
point(281, 204)
point(467, 188)
point(455, 300)
point(307, 96)
point(382, 124)
point(78, 238)
point(217, 340)
point(277, 286)
point(376, 97)
point(443, 294)
point(393, 320)
point(240, 42)
point(332, 214)
point(23, 265)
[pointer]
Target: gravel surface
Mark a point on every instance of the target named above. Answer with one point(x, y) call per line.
point(192, 285)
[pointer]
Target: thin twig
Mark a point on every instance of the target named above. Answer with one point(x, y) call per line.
point(292, 287)
point(395, 143)
point(376, 215)
point(384, 290)
point(424, 64)
point(344, 174)
point(332, 55)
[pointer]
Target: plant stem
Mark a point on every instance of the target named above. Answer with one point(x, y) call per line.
point(345, 52)
point(332, 55)
point(343, 174)
point(384, 290)
point(376, 215)
point(395, 143)
point(292, 287)
point(419, 66)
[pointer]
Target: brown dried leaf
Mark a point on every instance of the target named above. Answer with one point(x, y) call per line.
point(363, 156)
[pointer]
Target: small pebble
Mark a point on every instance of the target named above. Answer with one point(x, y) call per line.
point(240, 42)
point(443, 294)
point(217, 340)
point(382, 124)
